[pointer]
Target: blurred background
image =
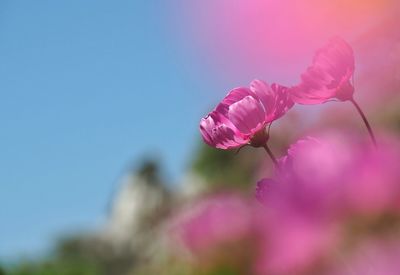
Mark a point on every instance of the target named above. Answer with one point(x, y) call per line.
point(100, 105)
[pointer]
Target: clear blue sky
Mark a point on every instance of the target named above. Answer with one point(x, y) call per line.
point(86, 88)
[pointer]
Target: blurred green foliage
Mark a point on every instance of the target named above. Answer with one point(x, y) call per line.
point(226, 168)
point(77, 256)
point(55, 267)
point(94, 252)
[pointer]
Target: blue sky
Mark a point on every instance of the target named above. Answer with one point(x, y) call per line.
point(86, 88)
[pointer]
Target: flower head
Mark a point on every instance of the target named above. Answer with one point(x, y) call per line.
point(334, 175)
point(241, 117)
point(329, 76)
point(214, 221)
point(373, 256)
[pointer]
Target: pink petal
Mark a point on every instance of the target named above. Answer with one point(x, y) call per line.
point(263, 93)
point(283, 102)
point(232, 97)
point(275, 99)
point(329, 76)
point(264, 189)
point(224, 137)
point(206, 126)
point(336, 58)
point(247, 115)
point(215, 133)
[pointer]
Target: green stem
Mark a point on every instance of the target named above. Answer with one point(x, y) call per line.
point(364, 118)
point(271, 155)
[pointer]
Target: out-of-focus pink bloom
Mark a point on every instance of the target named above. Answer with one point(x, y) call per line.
point(241, 117)
point(317, 159)
point(281, 242)
point(329, 76)
point(371, 258)
point(374, 184)
point(294, 243)
point(213, 222)
point(332, 175)
point(299, 232)
point(323, 185)
point(309, 177)
point(330, 195)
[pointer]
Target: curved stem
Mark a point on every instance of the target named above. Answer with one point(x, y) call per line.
point(371, 134)
point(271, 155)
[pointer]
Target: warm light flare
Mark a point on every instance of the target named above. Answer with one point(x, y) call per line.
point(257, 35)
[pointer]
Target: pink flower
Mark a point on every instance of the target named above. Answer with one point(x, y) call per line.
point(318, 161)
point(213, 222)
point(373, 186)
point(323, 187)
point(329, 76)
point(332, 175)
point(241, 117)
point(293, 243)
point(309, 178)
point(379, 256)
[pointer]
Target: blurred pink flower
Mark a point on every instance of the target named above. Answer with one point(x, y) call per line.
point(241, 117)
point(279, 241)
point(294, 243)
point(214, 221)
point(322, 187)
point(373, 257)
point(318, 159)
point(336, 174)
point(330, 194)
point(373, 186)
point(329, 76)
point(309, 178)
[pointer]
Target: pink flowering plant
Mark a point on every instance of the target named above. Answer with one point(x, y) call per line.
point(331, 197)
point(243, 115)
